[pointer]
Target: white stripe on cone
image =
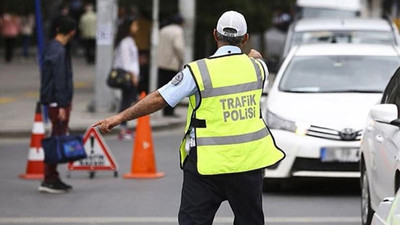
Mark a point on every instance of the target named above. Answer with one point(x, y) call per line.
point(38, 128)
point(36, 154)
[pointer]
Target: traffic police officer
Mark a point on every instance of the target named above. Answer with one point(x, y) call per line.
point(227, 144)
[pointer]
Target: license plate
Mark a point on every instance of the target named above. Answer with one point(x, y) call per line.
point(339, 154)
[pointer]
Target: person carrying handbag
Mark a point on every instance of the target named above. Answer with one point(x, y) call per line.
point(126, 58)
point(56, 91)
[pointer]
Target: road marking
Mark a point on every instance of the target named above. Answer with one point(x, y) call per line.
point(81, 84)
point(167, 220)
point(35, 94)
point(7, 100)
point(31, 94)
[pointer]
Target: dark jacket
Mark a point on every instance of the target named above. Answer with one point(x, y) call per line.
point(56, 84)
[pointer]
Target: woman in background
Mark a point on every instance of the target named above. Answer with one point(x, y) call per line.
point(126, 57)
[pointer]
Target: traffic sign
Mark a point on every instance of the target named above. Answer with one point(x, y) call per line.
point(99, 156)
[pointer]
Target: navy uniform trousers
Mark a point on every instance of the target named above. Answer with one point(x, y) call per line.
point(203, 194)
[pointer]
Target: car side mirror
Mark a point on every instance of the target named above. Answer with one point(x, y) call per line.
point(384, 113)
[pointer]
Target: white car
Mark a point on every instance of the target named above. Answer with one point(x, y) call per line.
point(380, 150)
point(317, 105)
point(388, 212)
point(335, 30)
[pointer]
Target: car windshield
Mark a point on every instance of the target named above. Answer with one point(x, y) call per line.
point(308, 12)
point(316, 74)
point(369, 37)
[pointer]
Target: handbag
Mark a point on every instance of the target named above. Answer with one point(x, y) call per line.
point(119, 78)
point(62, 149)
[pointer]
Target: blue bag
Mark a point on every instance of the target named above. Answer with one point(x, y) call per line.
point(62, 149)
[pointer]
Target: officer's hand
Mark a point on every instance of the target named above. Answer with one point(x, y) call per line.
point(107, 124)
point(255, 54)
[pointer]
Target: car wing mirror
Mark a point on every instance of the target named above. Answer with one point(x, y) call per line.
point(384, 113)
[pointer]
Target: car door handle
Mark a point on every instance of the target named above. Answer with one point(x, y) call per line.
point(379, 138)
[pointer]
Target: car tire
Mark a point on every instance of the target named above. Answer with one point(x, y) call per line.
point(366, 211)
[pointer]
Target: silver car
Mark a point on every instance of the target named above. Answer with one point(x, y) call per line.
point(380, 150)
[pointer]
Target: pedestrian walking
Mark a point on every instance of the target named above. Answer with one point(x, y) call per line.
point(126, 58)
point(56, 92)
point(10, 25)
point(87, 27)
point(27, 25)
point(227, 144)
point(170, 54)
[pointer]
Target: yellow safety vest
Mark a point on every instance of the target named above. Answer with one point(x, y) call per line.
point(231, 135)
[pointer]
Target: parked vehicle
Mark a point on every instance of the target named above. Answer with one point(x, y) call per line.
point(380, 150)
point(318, 103)
point(334, 30)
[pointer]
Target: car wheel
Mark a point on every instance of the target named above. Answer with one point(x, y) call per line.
point(366, 210)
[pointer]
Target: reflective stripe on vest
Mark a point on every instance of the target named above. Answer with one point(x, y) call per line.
point(211, 92)
point(233, 139)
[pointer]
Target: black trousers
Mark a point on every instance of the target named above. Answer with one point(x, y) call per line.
point(90, 50)
point(203, 194)
point(165, 76)
point(9, 45)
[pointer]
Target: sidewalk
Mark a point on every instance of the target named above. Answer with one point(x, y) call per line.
point(19, 92)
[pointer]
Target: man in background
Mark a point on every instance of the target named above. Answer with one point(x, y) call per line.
point(170, 54)
point(87, 26)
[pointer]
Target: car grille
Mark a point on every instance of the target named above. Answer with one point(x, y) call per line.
point(332, 134)
point(316, 165)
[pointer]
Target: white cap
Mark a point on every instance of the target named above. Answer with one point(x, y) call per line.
point(232, 20)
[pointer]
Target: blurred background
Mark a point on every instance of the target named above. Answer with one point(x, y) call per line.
point(269, 23)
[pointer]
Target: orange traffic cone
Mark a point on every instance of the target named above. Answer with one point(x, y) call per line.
point(143, 161)
point(34, 168)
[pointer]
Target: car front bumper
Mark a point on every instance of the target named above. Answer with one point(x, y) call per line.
point(303, 157)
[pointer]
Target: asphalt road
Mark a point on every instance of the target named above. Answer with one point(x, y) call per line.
point(109, 200)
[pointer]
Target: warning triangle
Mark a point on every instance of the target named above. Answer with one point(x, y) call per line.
point(99, 156)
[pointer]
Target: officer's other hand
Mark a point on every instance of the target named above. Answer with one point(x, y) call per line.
point(255, 54)
point(107, 124)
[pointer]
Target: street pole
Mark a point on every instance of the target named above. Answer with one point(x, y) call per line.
point(187, 9)
point(106, 18)
point(154, 45)
point(39, 31)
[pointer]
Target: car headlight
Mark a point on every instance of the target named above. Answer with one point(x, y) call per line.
point(276, 122)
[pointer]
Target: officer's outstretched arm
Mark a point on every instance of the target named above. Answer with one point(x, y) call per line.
point(151, 103)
